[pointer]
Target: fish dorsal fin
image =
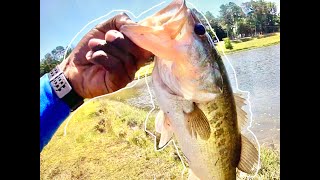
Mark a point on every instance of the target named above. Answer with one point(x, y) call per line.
point(197, 123)
point(163, 127)
point(249, 157)
point(241, 114)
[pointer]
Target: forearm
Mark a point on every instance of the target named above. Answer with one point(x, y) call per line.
point(53, 111)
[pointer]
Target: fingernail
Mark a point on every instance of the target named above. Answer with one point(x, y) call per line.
point(112, 35)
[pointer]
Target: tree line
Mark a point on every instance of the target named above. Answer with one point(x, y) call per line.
point(52, 59)
point(248, 19)
point(234, 21)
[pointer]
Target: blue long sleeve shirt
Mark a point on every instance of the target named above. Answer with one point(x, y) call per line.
point(53, 111)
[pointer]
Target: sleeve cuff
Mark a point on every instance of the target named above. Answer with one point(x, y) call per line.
point(53, 111)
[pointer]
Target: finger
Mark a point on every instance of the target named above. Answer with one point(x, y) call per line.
point(116, 74)
point(112, 35)
point(94, 79)
point(95, 42)
point(141, 55)
point(124, 57)
point(114, 23)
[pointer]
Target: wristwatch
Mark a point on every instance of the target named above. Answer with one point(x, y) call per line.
point(62, 87)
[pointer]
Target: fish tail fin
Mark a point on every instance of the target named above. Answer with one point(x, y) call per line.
point(242, 115)
point(249, 156)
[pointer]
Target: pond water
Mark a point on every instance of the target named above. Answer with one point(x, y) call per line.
point(258, 72)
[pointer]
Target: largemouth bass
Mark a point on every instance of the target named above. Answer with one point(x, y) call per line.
point(198, 106)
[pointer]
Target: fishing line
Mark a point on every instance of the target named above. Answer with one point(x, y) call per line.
point(236, 84)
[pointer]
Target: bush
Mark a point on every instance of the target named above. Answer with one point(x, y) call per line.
point(227, 43)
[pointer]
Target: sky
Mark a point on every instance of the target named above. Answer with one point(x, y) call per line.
point(61, 20)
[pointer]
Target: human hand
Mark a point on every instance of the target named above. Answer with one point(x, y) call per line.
point(95, 67)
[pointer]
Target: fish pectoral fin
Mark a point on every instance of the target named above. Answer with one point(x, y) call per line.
point(249, 156)
point(192, 176)
point(166, 132)
point(166, 136)
point(197, 123)
point(159, 121)
point(241, 114)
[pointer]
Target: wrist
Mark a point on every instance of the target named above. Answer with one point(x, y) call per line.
point(63, 88)
point(69, 70)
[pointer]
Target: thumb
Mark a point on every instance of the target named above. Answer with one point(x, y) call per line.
point(114, 23)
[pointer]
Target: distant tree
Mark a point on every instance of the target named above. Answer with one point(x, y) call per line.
point(244, 28)
point(58, 52)
point(52, 59)
point(209, 16)
point(215, 24)
point(277, 21)
point(231, 14)
point(271, 16)
point(262, 15)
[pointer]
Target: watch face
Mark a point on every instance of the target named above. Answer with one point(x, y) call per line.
point(63, 89)
point(53, 72)
point(60, 84)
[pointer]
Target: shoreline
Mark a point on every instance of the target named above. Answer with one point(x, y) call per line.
point(253, 43)
point(247, 49)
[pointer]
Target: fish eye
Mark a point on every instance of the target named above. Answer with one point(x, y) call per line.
point(199, 29)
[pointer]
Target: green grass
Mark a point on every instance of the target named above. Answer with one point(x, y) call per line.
point(144, 71)
point(250, 43)
point(106, 140)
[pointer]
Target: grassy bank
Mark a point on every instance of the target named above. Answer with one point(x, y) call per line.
point(106, 140)
point(240, 45)
point(250, 43)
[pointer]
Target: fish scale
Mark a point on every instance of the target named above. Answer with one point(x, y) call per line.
point(221, 139)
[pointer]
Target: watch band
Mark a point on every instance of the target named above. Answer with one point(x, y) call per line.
point(63, 89)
